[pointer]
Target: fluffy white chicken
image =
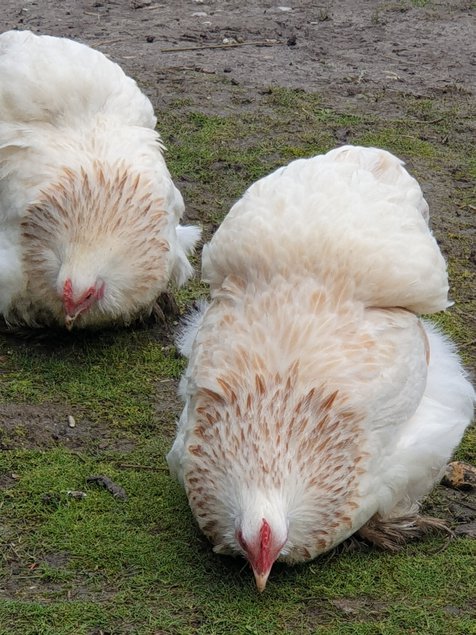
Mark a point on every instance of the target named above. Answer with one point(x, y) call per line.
point(317, 403)
point(89, 214)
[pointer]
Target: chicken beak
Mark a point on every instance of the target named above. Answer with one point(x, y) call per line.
point(261, 579)
point(69, 321)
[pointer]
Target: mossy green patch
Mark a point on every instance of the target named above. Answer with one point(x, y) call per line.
point(113, 379)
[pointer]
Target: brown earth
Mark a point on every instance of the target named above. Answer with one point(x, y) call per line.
point(413, 47)
point(31, 426)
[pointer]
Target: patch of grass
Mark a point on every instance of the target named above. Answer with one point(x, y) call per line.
point(96, 564)
point(113, 380)
point(399, 140)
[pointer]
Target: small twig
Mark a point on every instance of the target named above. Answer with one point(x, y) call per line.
point(103, 42)
point(428, 121)
point(432, 121)
point(104, 481)
point(173, 69)
point(220, 46)
point(196, 69)
point(420, 121)
point(392, 74)
point(147, 468)
point(206, 71)
point(12, 547)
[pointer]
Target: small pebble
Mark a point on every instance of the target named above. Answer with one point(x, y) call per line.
point(76, 494)
point(140, 4)
point(71, 421)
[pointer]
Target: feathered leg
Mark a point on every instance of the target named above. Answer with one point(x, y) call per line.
point(391, 534)
point(164, 307)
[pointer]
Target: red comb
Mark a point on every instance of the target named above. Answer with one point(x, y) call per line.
point(265, 534)
point(68, 289)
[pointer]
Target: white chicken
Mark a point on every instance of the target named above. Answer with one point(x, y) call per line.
point(89, 214)
point(317, 403)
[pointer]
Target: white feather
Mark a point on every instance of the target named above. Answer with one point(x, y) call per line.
point(189, 328)
point(428, 438)
point(364, 197)
point(187, 238)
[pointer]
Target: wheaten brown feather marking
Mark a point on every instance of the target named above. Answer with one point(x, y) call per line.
point(106, 201)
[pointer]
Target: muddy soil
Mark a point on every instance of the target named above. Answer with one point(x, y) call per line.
point(408, 46)
point(31, 426)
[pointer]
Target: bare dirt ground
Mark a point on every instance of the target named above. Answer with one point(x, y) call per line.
point(420, 47)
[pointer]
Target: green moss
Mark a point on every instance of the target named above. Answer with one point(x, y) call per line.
point(111, 380)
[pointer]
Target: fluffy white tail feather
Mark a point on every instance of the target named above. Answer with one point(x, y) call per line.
point(187, 239)
point(189, 328)
point(386, 167)
point(429, 437)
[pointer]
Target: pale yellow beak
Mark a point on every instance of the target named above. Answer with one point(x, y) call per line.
point(69, 321)
point(261, 579)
